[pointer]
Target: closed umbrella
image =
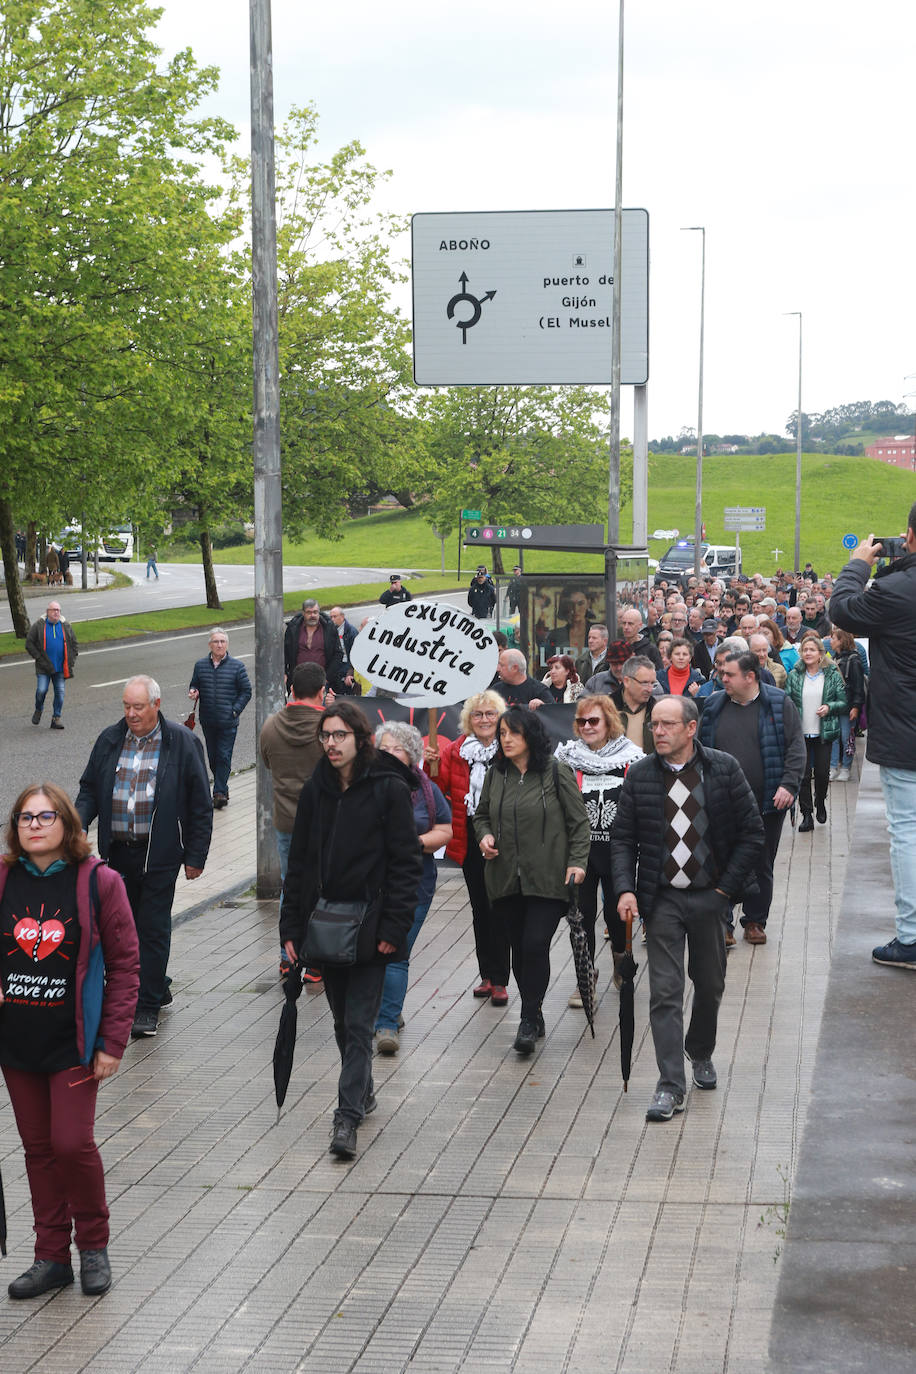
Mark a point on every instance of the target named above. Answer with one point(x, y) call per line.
point(585, 969)
point(2, 1220)
point(285, 1047)
point(627, 970)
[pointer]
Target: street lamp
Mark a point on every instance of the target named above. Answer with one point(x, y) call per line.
point(698, 514)
point(798, 446)
point(613, 494)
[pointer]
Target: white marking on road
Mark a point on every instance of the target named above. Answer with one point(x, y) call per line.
point(115, 682)
point(135, 644)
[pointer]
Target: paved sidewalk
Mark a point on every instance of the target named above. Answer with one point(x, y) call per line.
point(502, 1215)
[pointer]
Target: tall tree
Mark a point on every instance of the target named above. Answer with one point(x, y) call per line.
point(344, 367)
point(103, 211)
point(535, 455)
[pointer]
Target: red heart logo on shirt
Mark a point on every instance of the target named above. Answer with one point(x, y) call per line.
point(38, 939)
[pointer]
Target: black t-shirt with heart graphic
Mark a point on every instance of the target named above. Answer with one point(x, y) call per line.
point(39, 943)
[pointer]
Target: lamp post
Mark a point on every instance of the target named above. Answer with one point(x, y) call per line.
point(268, 519)
point(798, 446)
point(613, 494)
point(698, 513)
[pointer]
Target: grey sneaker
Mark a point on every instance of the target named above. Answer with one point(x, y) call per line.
point(664, 1104)
point(387, 1041)
point(704, 1073)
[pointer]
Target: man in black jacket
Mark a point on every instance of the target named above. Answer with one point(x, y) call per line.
point(687, 821)
point(220, 686)
point(885, 611)
point(311, 638)
point(354, 840)
point(146, 780)
point(481, 594)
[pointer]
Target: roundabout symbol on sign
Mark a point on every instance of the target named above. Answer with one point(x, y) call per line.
point(849, 541)
point(475, 303)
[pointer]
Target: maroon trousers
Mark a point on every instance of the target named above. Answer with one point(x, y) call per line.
point(55, 1115)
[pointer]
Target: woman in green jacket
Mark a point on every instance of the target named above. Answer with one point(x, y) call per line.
point(533, 831)
point(816, 688)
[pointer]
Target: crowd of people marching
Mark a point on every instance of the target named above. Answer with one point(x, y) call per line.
point(650, 769)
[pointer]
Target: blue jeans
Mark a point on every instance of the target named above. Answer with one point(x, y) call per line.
point(899, 786)
point(151, 563)
point(220, 744)
point(41, 691)
point(838, 758)
point(394, 989)
point(284, 840)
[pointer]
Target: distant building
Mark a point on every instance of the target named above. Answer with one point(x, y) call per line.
point(900, 451)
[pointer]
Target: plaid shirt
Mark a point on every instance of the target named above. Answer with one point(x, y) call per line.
point(135, 785)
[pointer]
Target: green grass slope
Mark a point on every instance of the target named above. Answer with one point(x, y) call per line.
point(839, 496)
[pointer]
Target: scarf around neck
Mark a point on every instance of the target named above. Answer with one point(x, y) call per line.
point(479, 757)
point(617, 753)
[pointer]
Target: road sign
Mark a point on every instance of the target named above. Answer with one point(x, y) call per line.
point(742, 519)
point(524, 297)
point(470, 515)
point(850, 541)
point(584, 537)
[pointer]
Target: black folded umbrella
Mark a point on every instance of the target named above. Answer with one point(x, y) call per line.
point(285, 1047)
point(627, 970)
point(2, 1220)
point(585, 969)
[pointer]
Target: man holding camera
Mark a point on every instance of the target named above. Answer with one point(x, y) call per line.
point(885, 611)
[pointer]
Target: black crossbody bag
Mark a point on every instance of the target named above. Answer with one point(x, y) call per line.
point(332, 934)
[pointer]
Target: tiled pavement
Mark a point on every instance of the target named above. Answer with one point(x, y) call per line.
point(501, 1216)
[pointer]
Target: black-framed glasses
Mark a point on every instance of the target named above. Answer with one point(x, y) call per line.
point(44, 818)
point(338, 736)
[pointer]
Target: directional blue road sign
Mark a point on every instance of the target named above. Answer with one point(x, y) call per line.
point(849, 541)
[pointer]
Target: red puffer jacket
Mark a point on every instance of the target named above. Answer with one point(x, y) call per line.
point(454, 779)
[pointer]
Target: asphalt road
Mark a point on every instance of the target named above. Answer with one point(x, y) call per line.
point(93, 700)
point(180, 584)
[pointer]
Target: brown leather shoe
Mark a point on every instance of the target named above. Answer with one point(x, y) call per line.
point(755, 934)
point(730, 940)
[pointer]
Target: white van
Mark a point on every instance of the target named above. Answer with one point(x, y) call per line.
point(719, 560)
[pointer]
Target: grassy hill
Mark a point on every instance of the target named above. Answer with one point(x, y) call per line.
point(839, 495)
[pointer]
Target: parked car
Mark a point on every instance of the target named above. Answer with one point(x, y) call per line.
point(720, 560)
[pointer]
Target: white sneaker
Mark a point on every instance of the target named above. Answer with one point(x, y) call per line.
point(833, 772)
point(842, 775)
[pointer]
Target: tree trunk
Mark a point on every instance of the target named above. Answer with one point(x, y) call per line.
point(11, 571)
point(206, 549)
point(30, 549)
point(497, 559)
point(404, 498)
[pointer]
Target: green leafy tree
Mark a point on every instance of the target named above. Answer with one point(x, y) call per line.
point(103, 218)
point(536, 455)
point(344, 367)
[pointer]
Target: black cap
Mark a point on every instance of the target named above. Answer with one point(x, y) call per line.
point(395, 577)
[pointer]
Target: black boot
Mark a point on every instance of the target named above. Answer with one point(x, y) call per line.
point(806, 822)
point(95, 1272)
point(41, 1278)
point(526, 1039)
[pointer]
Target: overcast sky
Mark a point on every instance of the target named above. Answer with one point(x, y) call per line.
point(785, 128)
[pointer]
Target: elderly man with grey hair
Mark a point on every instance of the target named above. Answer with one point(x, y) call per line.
point(515, 686)
point(146, 781)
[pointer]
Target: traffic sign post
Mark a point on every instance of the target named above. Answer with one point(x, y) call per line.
point(745, 518)
point(526, 297)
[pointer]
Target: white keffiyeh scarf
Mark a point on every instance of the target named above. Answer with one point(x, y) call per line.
point(478, 756)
